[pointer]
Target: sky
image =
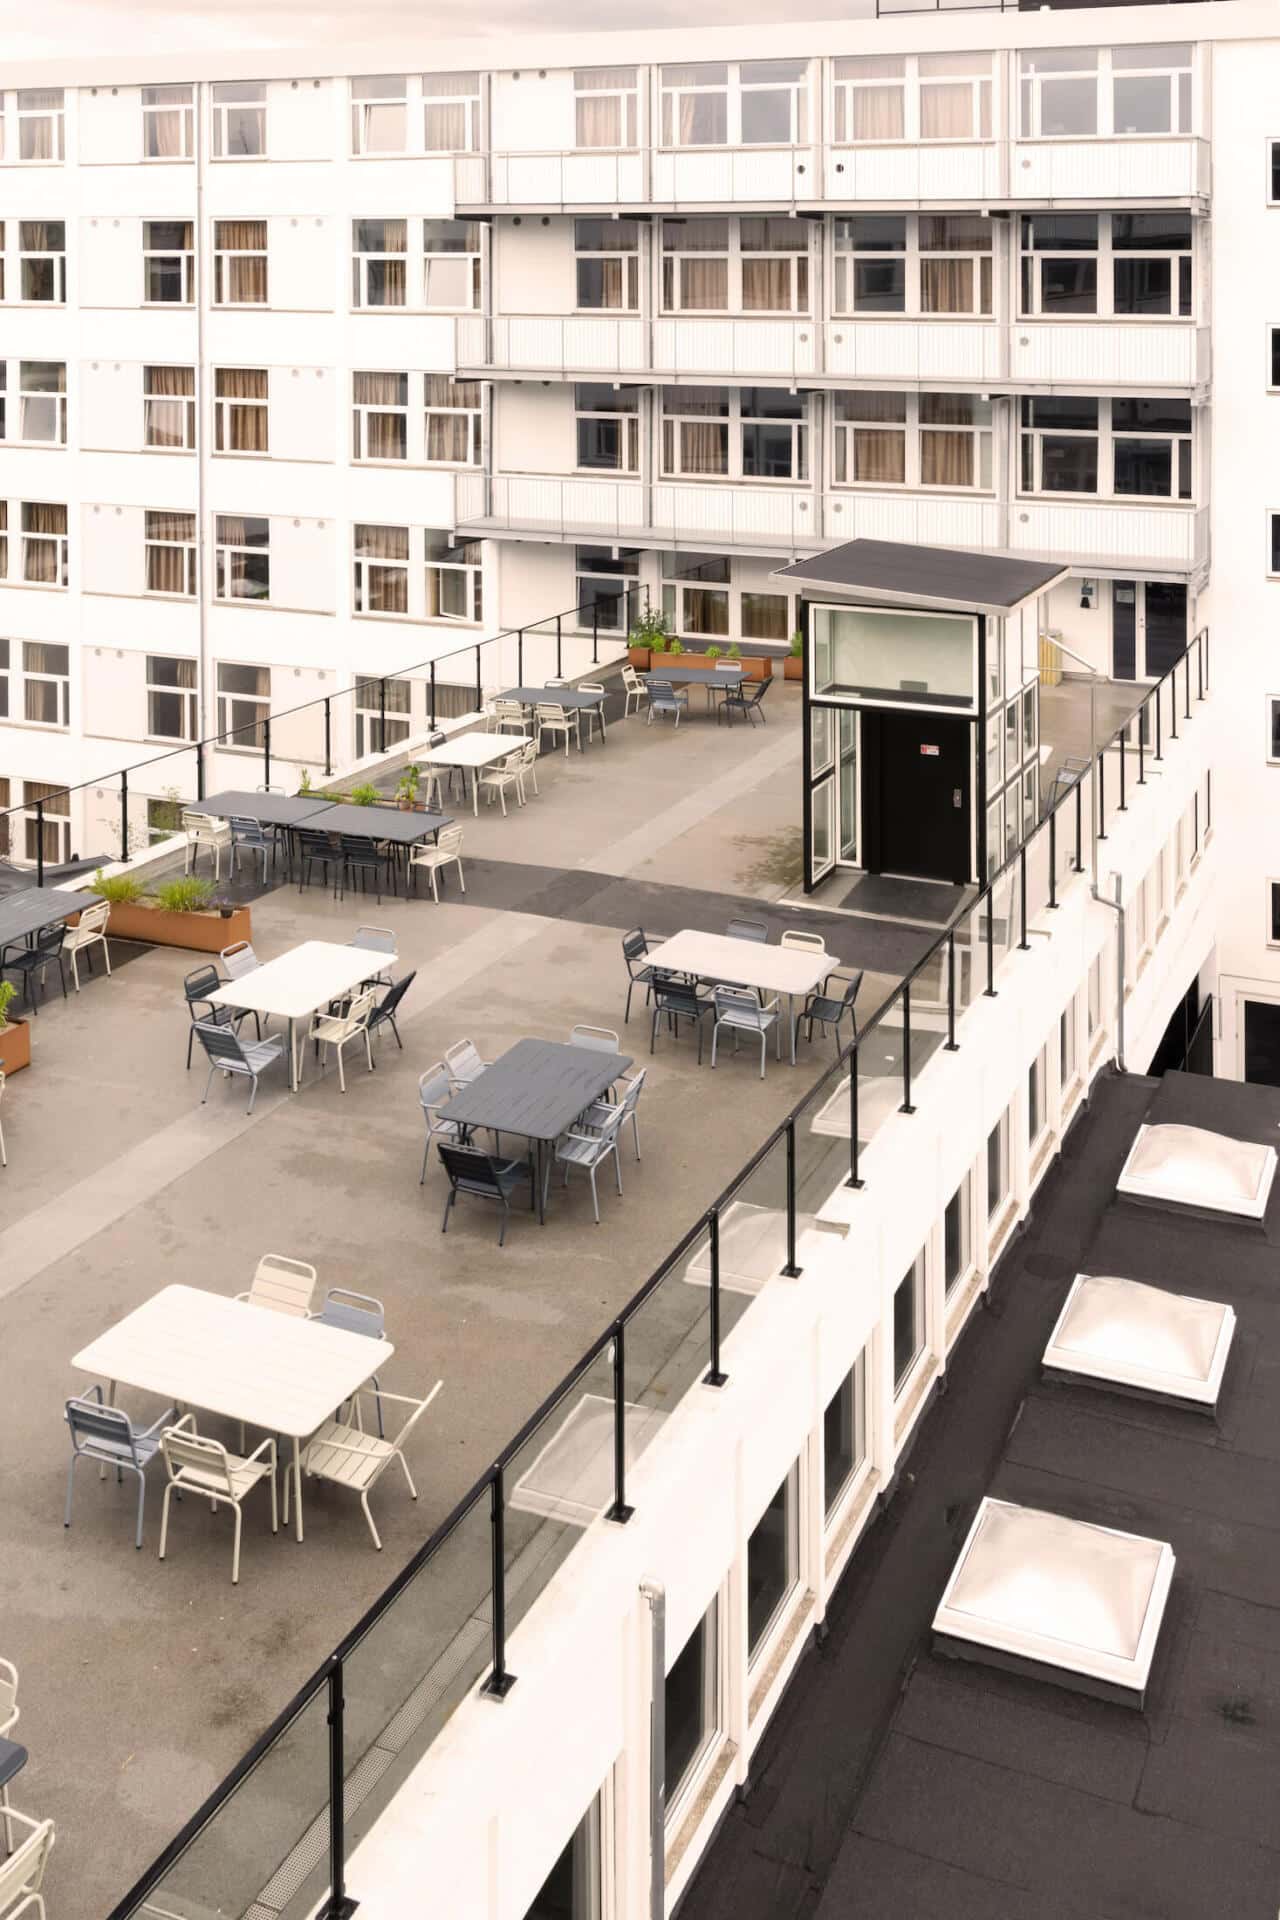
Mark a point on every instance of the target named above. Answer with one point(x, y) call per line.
point(61, 27)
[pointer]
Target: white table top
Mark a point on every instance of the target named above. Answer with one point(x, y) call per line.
point(223, 1356)
point(296, 983)
point(474, 749)
point(742, 963)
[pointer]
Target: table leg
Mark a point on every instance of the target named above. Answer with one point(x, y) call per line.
point(293, 1056)
point(297, 1483)
point(539, 1149)
point(791, 1018)
point(475, 791)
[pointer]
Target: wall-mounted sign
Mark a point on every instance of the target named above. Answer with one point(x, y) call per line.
point(931, 752)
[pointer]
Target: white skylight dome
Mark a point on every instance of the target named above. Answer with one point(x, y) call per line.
point(1037, 1589)
point(1191, 1167)
point(1141, 1337)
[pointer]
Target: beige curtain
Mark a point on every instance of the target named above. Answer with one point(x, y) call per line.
point(879, 456)
point(704, 285)
point(446, 125)
point(242, 428)
point(42, 236)
point(167, 565)
point(877, 113)
point(43, 524)
point(946, 459)
point(946, 112)
point(386, 587)
point(449, 438)
point(164, 121)
point(706, 611)
point(244, 274)
point(166, 417)
point(4, 539)
point(598, 123)
point(764, 616)
point(766, 286)
point(382, 543)
point(39, 138)
point(704, 447)
point(946, 286)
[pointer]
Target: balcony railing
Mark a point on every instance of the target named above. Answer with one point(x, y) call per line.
point(438, 1635)
point(1175, 537)
point(1096, 354)
point(781, 519)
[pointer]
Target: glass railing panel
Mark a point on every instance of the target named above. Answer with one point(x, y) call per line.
point(1038, 874)
point(669, 1334)
point(753, 1235)
point(822, 1136)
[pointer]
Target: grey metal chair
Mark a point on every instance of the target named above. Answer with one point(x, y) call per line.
point(197, 986)
point(384, 1013)
point(107, 1435)
point(577, 1148)
point(228, 1053)
point(315, 849)
point(27, 961)
point(483, 1177)
point(362, 857)
point(249, 836)
point(829, 1009)
point(376, 940)
point(601, 1112)
point(635, 948)
point(356, 1313)
point(675, 1000)
point(435, 1089)
point(739, 1010)
point(738, 700)
point(664, 698)
point(743, 929)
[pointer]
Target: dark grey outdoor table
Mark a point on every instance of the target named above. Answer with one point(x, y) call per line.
point(401, 826)
point(572, 699)
point(537, 1089)
point(690, 676)
point(13, 1759)
point(26, 912)
point(268, 809)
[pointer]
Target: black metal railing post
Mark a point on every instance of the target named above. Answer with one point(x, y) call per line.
point(1173, 704)
point(1142, 744)
point(1079, 823)
point(1124, 737)
point(520, 656)
point(1159, 752)
point(791, 1270)
point(199, 769)
point(906, 1106)
point(1024, 945)
point(1102, 794)
point(1187, 696)
point(339, 1905)
point(266, 751)
point(39, 843)
point(715, 1375)
point(124, 814)
point(1199, 670)
point(328, 738)
point(952, 1045)
point(433, 693)
point(595, 633)
point(1053, 858)
point(479, 685)
point(500, 1682)
point(619, 1511)
point(990, 991)
point(559, 656)
point(855, 1178)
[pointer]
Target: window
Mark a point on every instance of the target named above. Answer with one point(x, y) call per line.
point(380, 416)
point(169, 407)
point(1077, 92)
point(1151, 263)
point(453, 421)
point(57, 821)
point(1273, 544)
point(451, 102)
point(773, 1562)
point(382, 706)
point(244, 703)
point(764, 616)
point(453, 254)
point(46, 683)
point(1059, 263)
point(871, 267)
point(573, 1890)
point(41, 114)
point(240, 263)
point(1273, 348)
point(242, 557)
point(604, 101)
point(44, 544)
point(168, 123)
point(695, 105)
point(908, 1322)
point(4, 539)
point(42, 260)
point(844, 1434)
point(1151, 448)
point(695, 594)
point(774, 103)
point(1037, 1096)
point(608, 265)
point(42, 400)
point(955, 263)
point(692, 1707)
point(1273, 913)
point(607, 580)
point(1059, 444)
point(695, 431)
point(4, 715)
point(164, 819)
point(239, 120)
point(171, 698)
point(380, 114)
point(382, 569)
point(957, 1235)
point(1151, 89)
point(775, 436)
point(1059, 91)
point(1273, 172)
point(608, 427)
point(998, 1175)
point(934, 96)
point(1067, 1048)
point(168, 262)
point(171, 553)
point(240, 409)
point(695, 265)
point(774, 263)
point(454, 589)
point(889, 439)
point(379, 265)
point(1123, 264)
point(1273, 728)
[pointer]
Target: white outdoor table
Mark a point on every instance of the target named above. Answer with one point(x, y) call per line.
point(745, 963)
point(471, 752)
point(300, 982)
point(205, 1350)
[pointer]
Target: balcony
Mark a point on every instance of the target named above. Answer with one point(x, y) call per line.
point(754, 176)
point(1168, 168)
point(1094, 355)
point(897, 174)
point(1172, 540)
point(920, 519)
point(759, 519)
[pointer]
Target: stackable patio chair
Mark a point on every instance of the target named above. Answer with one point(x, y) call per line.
point(376, 940)
point(354, 1313)
point(740, 1010)
point(463, 1062)
point(317, 850)
point(674, 1000)
point(349, 1456)
point(506, 713)
point(446, 851)
point(338, 1030)
point(28, 961)
point(201, 1466)
point(738, 700)
point(435, 1090)
point(552, 720)
point(360, 858)
point(197, 986)
point(282, 1285)
point(9, 1718)
point(526, 765)
point(239, 959)
point(664, 698)
point(635, 690)
point(228, 1053)
point(384, 1011)
point(636, 945)
point(204, 831)
point(22, 1872)
point(505, 775)
point(251, 838)
point(91, 932)
point(593, 716)
point(830, 1007)
point(743, 929)
point(107, 1435)
point(601, 1111)
point(589, 1149)
point(483, 1176)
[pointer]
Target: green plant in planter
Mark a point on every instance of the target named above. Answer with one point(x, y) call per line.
point(712, 652)
point(407, 785)
point(188, 893)
point(304, 785)
point(659, 643)
point(650, 630)
point(735, 651)
point(675, 647)
point(121, 889)
point(797, 645)
point(8, 994)
point(365, 795)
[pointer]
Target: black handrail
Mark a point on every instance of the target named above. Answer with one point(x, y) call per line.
point(491, 1483)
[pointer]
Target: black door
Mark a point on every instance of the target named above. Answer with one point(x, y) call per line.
point(1262, 1043)
point(1166, 624)
point(917, 774)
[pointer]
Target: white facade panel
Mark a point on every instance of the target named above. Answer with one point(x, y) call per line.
point(110, 125)
point(555, 344)
point(1108, 170)
point(922, 519)
point(741, 347)
point(914, 350)
point(111, 409)
point(113, 683)
point(301, 118)
point(303, 262)
point(110, 265)
point(945, 174)
point(533, 269)
point(736, 514)
point(1093, 354)
point(1155, 536)
point(728, 175)
point(303, 554)
point(112, 558)
point(532, 110)
point(303, 413)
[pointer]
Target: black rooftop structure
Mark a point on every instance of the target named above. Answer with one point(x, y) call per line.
point(945, 577)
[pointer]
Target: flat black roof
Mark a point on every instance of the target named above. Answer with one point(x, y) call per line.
point(895, 1784)
point(953, 577)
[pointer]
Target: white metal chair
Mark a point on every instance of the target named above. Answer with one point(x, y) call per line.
point(446, 850)
point(803, 941)
point(507, 713)
point(4, 1160)
point(463, 1062)
point(738, 1010)
point(376, 940)
point(578, 1148)
point(504, 774)
point(202, 830)
point(9, 1718)
point(282, 1285)
point(22, 1873)
point(594, 716)
point(525, 760)
point(196, 1464)
point(239, 959)
point(340, 1029)
point(348, 1456)
point(91, 931)
point(554, 719)
point(601, 1112)
point(635, 689)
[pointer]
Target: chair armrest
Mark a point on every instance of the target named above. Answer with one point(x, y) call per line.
point(187, 1424)
point(264, 1446)
point(419, 1408)
point(167, 1419)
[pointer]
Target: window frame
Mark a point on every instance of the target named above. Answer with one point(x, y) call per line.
point(471, 572)
point(1105, 73)
point(225, 256)
point(611, 564)
point(1107, 258)
point(628, 99)
point(379, 729)
point(1000, 1142)
point(227, 409)
point(625, 420)
point(911, 81)
point(363, 259)
point(790, 1488)
point(954, 1285)
point(681, 1793)
point(364, 105)
point(736, 420)
point(835, 1500)
point(228, 699)
point(24, 678)
point(59, 541)
point(1106, 435)
point(185, 257)
point(58, 395)
point(473, 411)
point(626, 259)
point(1273, 543)
point(55, 115)
point(240, 99)
point(1273, 915)
point(363, 411)
point(472, 104)
point(57, 258)
point(917, 1278)
point(190, 569)
point(364, 566)
point(153, 110)
point(474, 253)
point(187, 401)
point(701, 83)
point(186, 697)
point(912, 430)
point(225, 566)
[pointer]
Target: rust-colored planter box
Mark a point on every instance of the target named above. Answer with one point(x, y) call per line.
point(754, 666)
point(200, 932)
point(793, 667)
point(15, 1045)
point(638, 657)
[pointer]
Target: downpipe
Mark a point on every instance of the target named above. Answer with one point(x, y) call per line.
point(1117, 907)
point(656, 1598)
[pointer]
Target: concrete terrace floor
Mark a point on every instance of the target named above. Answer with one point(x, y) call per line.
point(143, 1683)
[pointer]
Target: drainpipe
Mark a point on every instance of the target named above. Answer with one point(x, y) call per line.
point(656, 1597)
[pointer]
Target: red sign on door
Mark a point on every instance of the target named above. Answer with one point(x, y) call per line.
point(932, 752)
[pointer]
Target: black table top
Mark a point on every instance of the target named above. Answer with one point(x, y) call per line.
point(537, 1088)
point(552, 696)
point(269, 809)
point(696, 677)
point(13, 1759)
point(35, 907)
point(378, 823)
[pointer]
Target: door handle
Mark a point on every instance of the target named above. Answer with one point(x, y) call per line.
point(957, 799)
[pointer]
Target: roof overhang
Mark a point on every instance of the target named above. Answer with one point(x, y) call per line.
point(892, 573)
